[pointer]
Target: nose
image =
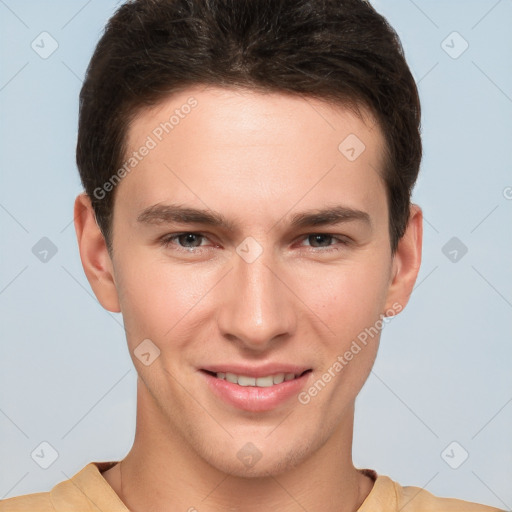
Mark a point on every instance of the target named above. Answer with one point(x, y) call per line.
point(256, 308)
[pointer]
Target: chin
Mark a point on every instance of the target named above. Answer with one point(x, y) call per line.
point(261, 469)
point(254, 461)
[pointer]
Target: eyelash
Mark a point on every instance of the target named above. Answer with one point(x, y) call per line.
point(167, 240)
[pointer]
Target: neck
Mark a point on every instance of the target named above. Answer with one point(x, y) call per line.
point(163, 472)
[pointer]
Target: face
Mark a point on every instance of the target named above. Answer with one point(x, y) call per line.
point(251, 239)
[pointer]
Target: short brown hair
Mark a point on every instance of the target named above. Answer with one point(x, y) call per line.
point(336, 50)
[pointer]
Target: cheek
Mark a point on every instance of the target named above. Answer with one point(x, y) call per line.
point(350, 304)
point(156, 297)
point(347, 298)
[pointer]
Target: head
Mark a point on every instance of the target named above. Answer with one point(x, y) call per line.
point(275, 119)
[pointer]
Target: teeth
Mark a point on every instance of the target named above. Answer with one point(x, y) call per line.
point(231, 377)
point(261, 382)
point(246, 381)
point(278, 378)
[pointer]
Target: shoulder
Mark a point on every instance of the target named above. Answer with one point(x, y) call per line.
point(389, 496)
point(37, 502)
point(416, 499)
point(82, 493)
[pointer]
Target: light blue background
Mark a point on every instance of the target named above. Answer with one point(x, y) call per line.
point(443, 369)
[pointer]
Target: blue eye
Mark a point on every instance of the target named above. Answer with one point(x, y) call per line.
point(188, 241)
point(184, 239)
point(324, 240)
point(319, 238)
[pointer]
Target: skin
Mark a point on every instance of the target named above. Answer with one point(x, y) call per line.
point(257, 159)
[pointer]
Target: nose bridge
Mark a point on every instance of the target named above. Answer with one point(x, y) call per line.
point(257, 307)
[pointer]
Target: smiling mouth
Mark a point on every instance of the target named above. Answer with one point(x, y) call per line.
point(260, 382)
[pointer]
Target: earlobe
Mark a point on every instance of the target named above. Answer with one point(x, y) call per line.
point(406, 261)
point(95, 258)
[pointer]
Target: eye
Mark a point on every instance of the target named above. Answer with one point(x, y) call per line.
point(191, 242)
point(185, 241)
point(322, 240)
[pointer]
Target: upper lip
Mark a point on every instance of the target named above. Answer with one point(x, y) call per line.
point(256, 371)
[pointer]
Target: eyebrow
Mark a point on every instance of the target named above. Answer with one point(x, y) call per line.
point(175, 213)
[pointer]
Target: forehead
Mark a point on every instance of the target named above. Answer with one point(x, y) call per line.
point(258, 117)
point(238, 149)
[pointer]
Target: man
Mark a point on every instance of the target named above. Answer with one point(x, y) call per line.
point(248, 168)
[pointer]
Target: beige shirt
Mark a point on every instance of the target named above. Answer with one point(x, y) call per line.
point(88, 491)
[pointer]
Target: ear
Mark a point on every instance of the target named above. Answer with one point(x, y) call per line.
point(406, 262)
point(95, 258)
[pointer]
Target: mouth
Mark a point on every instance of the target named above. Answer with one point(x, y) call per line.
point(256, 394)
point(260, 382)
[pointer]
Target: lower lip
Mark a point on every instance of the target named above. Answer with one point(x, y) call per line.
point(253, 398)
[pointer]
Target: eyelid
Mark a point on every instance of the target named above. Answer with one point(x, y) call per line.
point(343, 240)
point(168, 238)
